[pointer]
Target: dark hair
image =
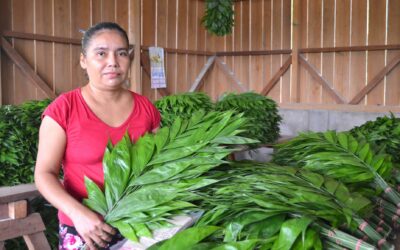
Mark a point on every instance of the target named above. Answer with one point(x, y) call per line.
point(87, 36)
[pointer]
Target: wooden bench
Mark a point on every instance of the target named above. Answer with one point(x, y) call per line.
point(15, 220)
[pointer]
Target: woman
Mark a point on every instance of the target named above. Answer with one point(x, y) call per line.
point(76, 128)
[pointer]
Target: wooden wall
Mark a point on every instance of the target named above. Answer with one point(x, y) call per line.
point(263, 26)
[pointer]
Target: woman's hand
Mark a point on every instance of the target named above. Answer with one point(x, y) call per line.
point(92, 228)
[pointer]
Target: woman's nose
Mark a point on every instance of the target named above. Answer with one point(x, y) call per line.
point(112, 60)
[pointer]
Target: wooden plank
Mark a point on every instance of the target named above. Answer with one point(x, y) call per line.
point(6, 67)
point(161, 35)
point(245, 36)
point(19, 192)
point(26, 69)
point(358, 59)
point(229, 43)
point(192, 41)
point(254, 52)
point(10, 229)
point(327, 87)
point(200, 78)
point(296, 39)
point(303, 75)
point(314, 39)
point(2, 245)
point(134, 34)
point(42, 37)
point(108, 11)
point(148, 39)
point(18, 209)
point(341, 107)
point(80, 12)
point(352, 48)
point(4, 211)
point(286, 44)
point(342, 35)
point(23, 89)
point(256, 62)
point(277, 76)
point(44, 50)
point(171, 59)
point(237, 40)
point(374, 82)
point(276, 43)
point(267, 37)
point(376, 59)
point(221, 83)
point(328, 40)
point(201, 40)
point(121, 10)
point(392, 91)
point(182, 36)
point(96, 8)
point(62, 52)
point(37, 241)
point(228, 72)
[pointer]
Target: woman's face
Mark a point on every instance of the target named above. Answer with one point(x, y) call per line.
point(107, 60)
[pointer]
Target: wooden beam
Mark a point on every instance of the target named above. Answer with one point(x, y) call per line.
point(203, 72)
point(18, 209)
point(376, 80)
point(230, 74)
point(37, 241)
point(296, 38)
point(339, 107)
point(10, 229)
point(44, 38)
point(254, 52)
point(318, 77)
point(134, 33)
point(26, 69)
point(183, 51)
point(19, 192)
point(277, 76)
point(351, 48)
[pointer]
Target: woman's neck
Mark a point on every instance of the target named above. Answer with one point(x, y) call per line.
point(101, 95)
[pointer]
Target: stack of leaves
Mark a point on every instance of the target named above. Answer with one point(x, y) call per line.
point(261, 111)
point(218, 18)
point(341, 156)
point(153, 179)
point(19, 129)
point(182, 105)
point(383, 134)
point(277, 209)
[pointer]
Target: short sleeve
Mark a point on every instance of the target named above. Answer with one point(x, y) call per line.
point(157, 117)
point(58, 110)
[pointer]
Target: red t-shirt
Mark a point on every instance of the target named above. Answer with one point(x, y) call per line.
point(87, 137)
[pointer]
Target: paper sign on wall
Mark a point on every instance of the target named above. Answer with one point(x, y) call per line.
point(157, 70)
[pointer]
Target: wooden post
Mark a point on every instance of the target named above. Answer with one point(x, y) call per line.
point(296, 37)
point(135, 83)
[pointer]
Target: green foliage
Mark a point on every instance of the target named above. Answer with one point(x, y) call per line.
point(261, 111)
point(182, 105)
point(383, 134)
point(19, 129)
point(153, 179)
point(218, 18)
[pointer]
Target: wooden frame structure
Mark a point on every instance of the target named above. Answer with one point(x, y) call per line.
point(15, 221)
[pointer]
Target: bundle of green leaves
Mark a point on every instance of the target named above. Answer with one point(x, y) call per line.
point(182, 105)
point(19, 129)
point(261, 111)
point(259, 206)
point(218, 18)
point(383, 134)
point(154, 178)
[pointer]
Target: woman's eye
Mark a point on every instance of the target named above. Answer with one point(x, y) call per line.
point(123, 53)
point(101, 53)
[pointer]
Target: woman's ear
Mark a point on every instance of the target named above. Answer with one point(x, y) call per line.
point(82, 61)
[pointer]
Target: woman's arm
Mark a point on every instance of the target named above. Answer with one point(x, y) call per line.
point(52, 143)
